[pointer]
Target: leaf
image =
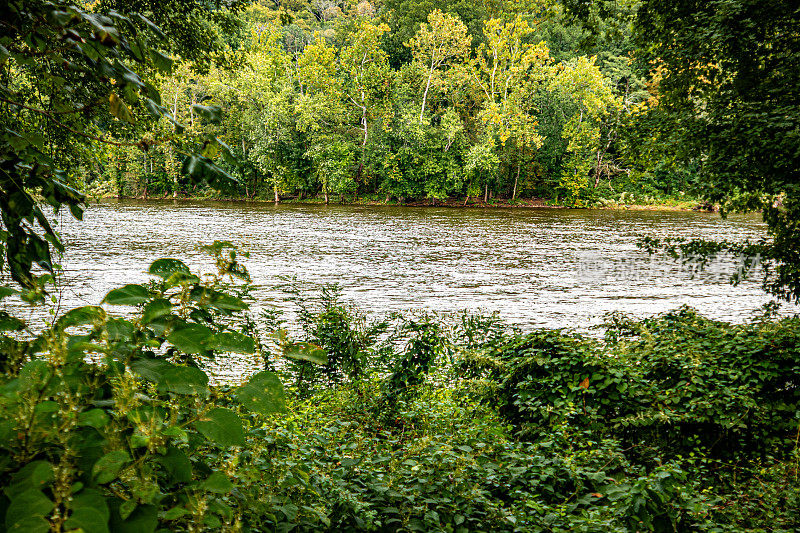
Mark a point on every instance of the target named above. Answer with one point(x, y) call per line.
point(128, 295)
point(96, 418)
point(81, 316)
point(210, 113)
point(120, 109)
point(31, 524)
point(191, 339)
point(232, 341)
point(118, 329)
point(7, 291)
point(161, 62)
point(262, 394)
point(4, 55)
point(89, 512)
point(10, 323)
point(305, 351)
point(584, 384)
point(36, 475)
point(217, 483)
point(222, 426)
point(27, 509)
point(156, 309)
point(155, 29)
point(177, 464)
point(152, 369)
point(164, 268)
point(153, 108)
point(185, 380)
point(144, 519)
point(108, 467)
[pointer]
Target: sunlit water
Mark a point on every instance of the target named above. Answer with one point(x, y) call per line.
point(536, 267)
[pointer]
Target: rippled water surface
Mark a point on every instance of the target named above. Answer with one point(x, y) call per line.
point(536, 267)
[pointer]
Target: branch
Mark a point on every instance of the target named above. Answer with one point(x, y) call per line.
point(52, 117)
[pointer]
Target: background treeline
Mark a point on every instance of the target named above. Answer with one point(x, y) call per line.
point(400, 100)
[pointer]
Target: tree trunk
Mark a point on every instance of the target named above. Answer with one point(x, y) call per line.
point(486, 194)
point(277, 197)
point(425, 94)
point(516, 179)
point(388, 197)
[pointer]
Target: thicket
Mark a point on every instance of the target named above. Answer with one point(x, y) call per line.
point(674, 423)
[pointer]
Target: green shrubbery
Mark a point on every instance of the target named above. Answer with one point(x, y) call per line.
point(675, 423)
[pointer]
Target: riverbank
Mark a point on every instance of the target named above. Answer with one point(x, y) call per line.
point(454, 203)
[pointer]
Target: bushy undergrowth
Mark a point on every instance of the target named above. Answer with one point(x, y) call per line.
point(674, 423)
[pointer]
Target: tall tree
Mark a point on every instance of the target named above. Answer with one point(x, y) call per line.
point(437, 44)
point(731, 87)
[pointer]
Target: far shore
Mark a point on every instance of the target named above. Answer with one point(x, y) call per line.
point(454, 203)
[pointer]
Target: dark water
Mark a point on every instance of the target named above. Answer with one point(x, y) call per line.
point(542, 267)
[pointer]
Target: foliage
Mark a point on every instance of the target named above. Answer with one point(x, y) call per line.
point(348, 99)
point(731, 106)
point(68, 87)
point(108, 422)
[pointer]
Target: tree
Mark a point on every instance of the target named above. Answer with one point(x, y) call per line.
point(437, 44)
point(507, 69)
point(586, 131)
point(67, 85)
point(732, 95)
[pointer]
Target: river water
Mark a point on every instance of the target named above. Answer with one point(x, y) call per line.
point(536, 267)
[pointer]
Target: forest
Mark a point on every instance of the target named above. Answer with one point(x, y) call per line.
point(404, 102)
point(111, 418)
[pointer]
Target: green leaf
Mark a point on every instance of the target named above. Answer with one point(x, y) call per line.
point(7, 291)
point(164, 268)
point(185, 380)
point(262, 394)
point(10, 323)
point(119, 329)
point(89, 512)
point(191, 339)
point(175, 513)
point(177, 465)
point(152, 369)
point(144, 519)
point(36, 475)
point(128, 295)
point(96, 418)
point(161, 62)
point(120, 109)
point(107, 468)
point(4, 55)
point(34, 375)
point(81, 316)
point(27, 509)
point(222, 426)
point(217, 483)
point(232, 341)
point(210, 113)
point(155, 29)
point(156, 309)
point(305, 351)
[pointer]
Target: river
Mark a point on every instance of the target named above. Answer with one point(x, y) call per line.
point(537, 267)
